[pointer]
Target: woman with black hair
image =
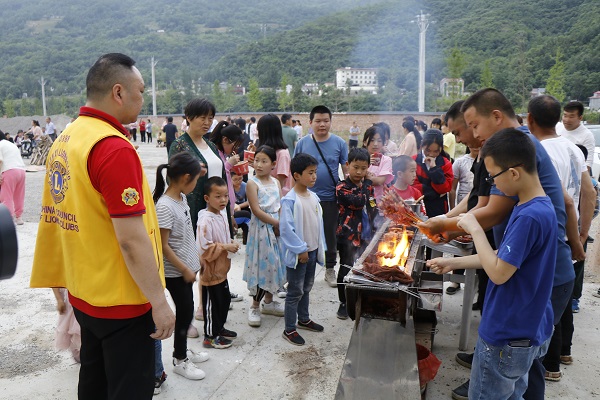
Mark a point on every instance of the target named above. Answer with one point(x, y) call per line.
point(270, 134)
point(434, 173)
point(412, 140)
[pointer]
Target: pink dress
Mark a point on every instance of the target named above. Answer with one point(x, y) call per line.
point(283, 168)
point(383, 169)
point(68, 332)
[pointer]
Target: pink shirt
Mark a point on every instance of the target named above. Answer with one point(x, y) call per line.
point(383, 169)
point(283, 168)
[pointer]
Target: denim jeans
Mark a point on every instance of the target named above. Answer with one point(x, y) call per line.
point(300, 282)
point(158, 364)
point(501, 372)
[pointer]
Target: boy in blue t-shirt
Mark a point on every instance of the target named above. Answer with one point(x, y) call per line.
point(517, 319)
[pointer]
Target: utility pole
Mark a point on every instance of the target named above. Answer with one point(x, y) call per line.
point(153, 64)
point(423, 22)
point(43, 83)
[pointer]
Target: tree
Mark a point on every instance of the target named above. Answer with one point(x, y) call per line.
point(217, 96)
point(487, 78)
point(9, 107)
point(555, 86)
point(284, 99)
point(254, 97)
point(457, 63)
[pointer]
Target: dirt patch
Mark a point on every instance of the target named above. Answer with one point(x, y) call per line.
point(24, 359)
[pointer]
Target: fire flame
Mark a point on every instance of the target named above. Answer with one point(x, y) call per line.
point(396, 247)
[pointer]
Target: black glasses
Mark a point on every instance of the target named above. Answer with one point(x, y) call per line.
point(490, 179)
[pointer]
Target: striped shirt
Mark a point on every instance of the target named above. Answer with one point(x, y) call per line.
point(175, 216)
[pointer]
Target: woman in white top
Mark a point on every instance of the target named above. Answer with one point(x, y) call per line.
point(12, 178)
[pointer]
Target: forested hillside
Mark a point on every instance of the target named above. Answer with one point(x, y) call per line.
point(512, 44)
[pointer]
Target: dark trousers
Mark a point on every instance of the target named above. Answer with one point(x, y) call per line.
point(134, 134)
point(143, 136)
point(330, 220)
point(183, 297)
point(536, 385)
point(149, 136)
point(352, 144)
point(561, 337)
point(579, 266)
point(215, 302)
point(117, 357)
point(168, 147)
point(347, 257)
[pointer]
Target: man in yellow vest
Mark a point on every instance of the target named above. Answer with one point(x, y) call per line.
point(99, 238)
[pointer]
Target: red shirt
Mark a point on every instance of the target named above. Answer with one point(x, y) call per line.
point(114, 166)
point(410, 193)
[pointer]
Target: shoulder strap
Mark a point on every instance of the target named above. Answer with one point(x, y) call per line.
point(323, 158)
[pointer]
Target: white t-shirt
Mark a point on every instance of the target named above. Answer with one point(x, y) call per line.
point(10, 156)
point(298, 129)
point(213, 162)
point(581, 135)
point(310, 220)
point(462, 171)
point(175, 216)
point(568, 161)
point(354, 133)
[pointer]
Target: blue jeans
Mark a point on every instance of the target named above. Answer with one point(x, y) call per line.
point(300, 282)
point(501, 372)
point(158, 365)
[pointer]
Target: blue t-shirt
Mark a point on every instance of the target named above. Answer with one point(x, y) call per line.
point(335, 151)
point(551, 183)
point(521, 308)
point(240, 196)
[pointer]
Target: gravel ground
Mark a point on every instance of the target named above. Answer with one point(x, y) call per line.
point(260, 364)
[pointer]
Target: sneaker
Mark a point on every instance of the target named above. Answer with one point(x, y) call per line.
point(19, 221)
point(310, 326)
point(158, 383)
point(596, 294)
point(197, 356)
point(218, 342)
point(199, 314)
point(293, 337)
point(553, 376)
point(461, 392)
point(282, 292)
point(231, 306)
point(273, 308)
point(192, 332)
point(566, 360)
point(575, 306)
point(342, 313)
point(235, 297)
point(452, 289)
point(330, 277)
point(188, 370)
point(228, 334)
point(465, 359)
point(254, 316)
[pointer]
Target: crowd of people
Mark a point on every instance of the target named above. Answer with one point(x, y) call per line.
point(524, 191)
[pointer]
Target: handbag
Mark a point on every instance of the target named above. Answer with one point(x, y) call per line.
point(335, 181)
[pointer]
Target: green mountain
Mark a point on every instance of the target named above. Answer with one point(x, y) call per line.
point(196, 42)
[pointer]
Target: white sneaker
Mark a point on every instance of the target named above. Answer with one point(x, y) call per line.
point(192, 332)
point(235, 297)
point(188, 370)
point(273, 308)
point(330, 277)
point(197, 356)
point(19, 221)
point(282, 292)
point(254, 317)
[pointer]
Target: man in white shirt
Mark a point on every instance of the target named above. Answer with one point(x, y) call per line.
point(50, 129)
point(573, 129)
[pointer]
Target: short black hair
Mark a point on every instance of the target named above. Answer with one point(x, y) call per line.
point(545, 111)
point(169, 119)
point(401, 163)
point(268, 151)
point(212, 182)
point(285, 118)
point(300, 162)
point(487, 100)
point(319, 110)
point(574, 105)
point(107, 71)
point(252, 119)
point(198, 108)
point(359, 154)
point(454, 111)
point(510, 147)
point(436, 121)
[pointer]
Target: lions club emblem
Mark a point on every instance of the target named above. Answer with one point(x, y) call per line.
point(130, 197)
point(58, 178)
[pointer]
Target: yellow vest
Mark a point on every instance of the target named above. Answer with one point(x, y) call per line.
point(76, 245)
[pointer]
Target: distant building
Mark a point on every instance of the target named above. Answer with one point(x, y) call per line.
point(452, 87)
point(537, 92)
point(595, 101)
point(357, 79)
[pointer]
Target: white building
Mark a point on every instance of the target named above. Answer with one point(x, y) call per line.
point(357, 79)
point(595, 101)
point(452, 86)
